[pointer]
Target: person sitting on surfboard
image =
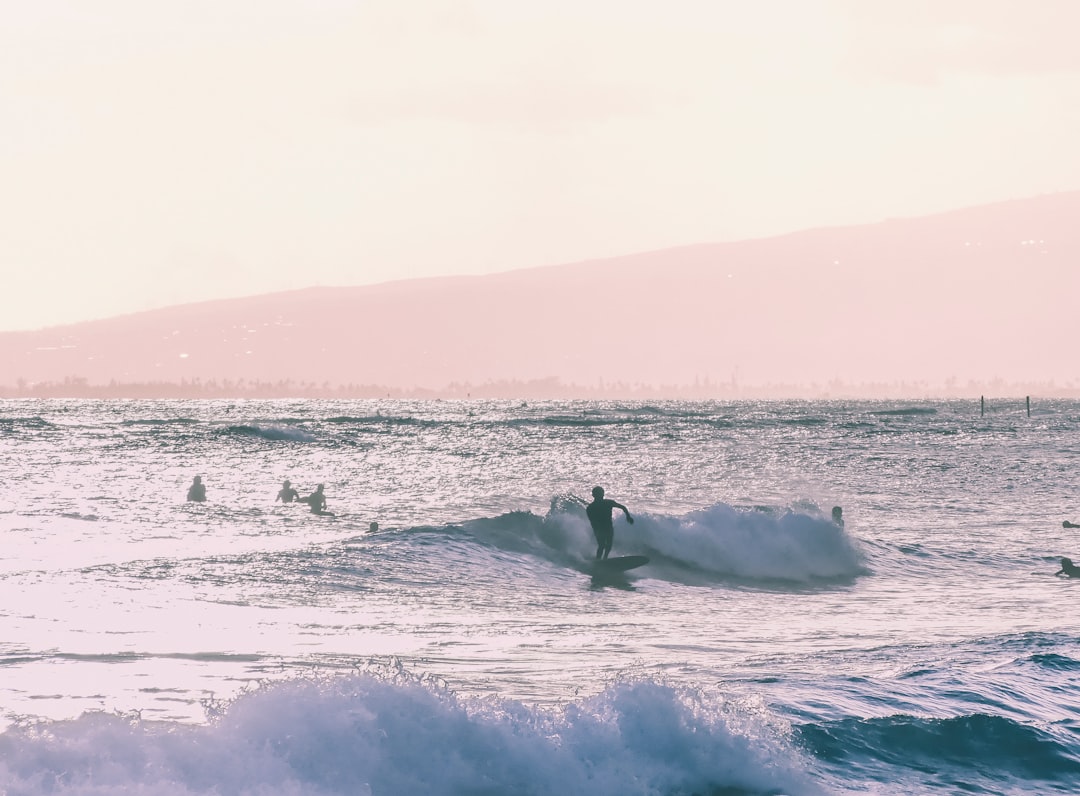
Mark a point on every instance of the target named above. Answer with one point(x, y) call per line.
point(317, 500)
point(1068, 568)
point(197, 491)
point(287, 493)
point(599, 514)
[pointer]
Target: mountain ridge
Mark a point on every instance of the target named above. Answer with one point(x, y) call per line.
point(976, 293)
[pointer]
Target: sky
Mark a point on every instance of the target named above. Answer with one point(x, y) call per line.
point(162, 153)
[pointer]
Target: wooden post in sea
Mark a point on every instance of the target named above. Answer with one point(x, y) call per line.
point(1029, 405)
point(982, 405)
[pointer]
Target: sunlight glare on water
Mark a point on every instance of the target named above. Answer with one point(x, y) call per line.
point(121, 596)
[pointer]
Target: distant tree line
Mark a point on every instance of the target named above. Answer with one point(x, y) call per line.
point(533, 389)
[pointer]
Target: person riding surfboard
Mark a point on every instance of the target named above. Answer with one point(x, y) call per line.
point(603, 527)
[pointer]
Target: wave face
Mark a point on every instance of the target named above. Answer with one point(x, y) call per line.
point(442, 629)
point(271, 432)
point(721, 542)
point(948, 754)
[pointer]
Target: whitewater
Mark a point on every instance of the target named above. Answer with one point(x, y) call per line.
point(442, 633)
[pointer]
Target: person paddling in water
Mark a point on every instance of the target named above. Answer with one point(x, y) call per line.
point(1068, 568)
point(287, 493)
point(317, 501)
point(1068, 524)
point(603, 528)
point(197, 491)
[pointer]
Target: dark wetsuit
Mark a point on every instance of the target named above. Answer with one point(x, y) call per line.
point(288, 495)
point(197, 493)
point(603, 527)
point(1069, 569)
point(317, 501)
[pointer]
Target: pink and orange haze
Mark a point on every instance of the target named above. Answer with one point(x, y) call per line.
point(157, 155)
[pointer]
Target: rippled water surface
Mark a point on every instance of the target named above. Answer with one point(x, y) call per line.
point(925, 646)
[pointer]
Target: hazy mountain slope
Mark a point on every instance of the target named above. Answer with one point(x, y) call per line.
point(979, 293)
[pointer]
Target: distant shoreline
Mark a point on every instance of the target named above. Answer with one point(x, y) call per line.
point(997, 395)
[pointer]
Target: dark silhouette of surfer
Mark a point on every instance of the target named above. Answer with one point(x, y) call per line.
point(287, 493)
point(197, 491)
point(1068, 524)
point(603, 528)
point(317, 501)
point(838, 516)
point(1068, 568)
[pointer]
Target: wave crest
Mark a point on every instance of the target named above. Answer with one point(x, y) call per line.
point(270, 432)
point(364, 734)
point(717, 543)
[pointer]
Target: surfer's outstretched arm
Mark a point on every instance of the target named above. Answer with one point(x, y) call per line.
point(625, 511)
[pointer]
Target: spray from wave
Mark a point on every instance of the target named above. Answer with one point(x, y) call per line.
point(378, 734)
point(719, 542)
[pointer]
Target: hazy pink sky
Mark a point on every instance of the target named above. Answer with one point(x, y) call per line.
point(158, 153)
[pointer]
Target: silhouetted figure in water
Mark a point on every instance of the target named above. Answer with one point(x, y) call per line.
point(1068, 568)
point(287, 493)
point(197, 491)
point(838, 516)
point(317, 501)
point(603, 528)
point(1068, 524)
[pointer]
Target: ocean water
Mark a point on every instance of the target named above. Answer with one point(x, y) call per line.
point(153, 646)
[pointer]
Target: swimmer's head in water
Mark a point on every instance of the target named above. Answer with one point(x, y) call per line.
point(597, 492)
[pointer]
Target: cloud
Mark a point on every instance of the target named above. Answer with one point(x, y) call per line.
point(530, 104)
point(919, 41)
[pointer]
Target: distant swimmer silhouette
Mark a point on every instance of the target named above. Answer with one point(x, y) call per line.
point(197, 491)
point(287, 493)
point(317, 501)
point(838, 516)
point(1068, 524)
point(603, 528)
point(1068, 568)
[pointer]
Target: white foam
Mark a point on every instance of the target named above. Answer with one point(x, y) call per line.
point(368, 734)
point(754, 544)
point(728, 541)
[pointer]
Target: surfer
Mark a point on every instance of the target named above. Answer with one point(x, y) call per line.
point(287, 493)
point(1068, 568)
point(317, 501)
point(1068, 524)
point(197, 491)
point(599, 514)
point(838, 516)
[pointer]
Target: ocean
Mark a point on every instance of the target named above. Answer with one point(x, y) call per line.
point(442, 632)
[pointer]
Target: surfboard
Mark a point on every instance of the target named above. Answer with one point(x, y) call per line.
point(618, 564)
